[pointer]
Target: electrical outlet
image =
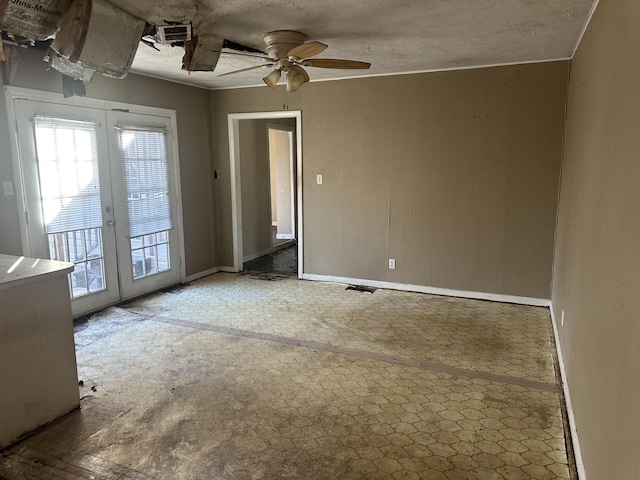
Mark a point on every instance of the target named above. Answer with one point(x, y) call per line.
point(319, 179)
point(392, 264)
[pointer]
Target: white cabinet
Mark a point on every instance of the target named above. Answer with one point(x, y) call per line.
point(38, 374)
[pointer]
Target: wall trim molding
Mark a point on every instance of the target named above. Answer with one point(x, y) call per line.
point(575, 440)
point(202, 274)
point(493, 297)
point(416, 72)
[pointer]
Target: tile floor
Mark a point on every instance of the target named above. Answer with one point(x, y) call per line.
point(232, 377)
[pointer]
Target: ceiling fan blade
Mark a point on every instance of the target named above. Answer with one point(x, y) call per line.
point(243, 54)
point(307, 50)
point(246, 69)
point(334, 63)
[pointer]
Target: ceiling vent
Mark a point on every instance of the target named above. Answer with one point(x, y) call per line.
point(168, 34)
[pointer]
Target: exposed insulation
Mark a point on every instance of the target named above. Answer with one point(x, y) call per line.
point(67, 67)
point(99, 36)
point(202, 53)
point(31, 18)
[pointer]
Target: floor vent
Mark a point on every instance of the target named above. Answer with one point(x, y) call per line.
point(361, 288)
point(267, 276)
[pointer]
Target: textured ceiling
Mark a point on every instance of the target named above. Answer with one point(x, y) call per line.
point(395, 37)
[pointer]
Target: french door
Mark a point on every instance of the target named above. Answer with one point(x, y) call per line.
point(98, 191)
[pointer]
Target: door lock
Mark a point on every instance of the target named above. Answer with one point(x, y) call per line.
point(111, 223)
point(108, 209)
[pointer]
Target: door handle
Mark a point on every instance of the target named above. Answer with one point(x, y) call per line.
point(111, 223)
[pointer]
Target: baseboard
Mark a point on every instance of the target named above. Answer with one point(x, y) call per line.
point(494, 297)
point(227, 269)
point(567, 398)
point(204, 273)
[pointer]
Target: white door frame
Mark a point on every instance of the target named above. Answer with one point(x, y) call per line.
point(14, 93)
point(234, 169)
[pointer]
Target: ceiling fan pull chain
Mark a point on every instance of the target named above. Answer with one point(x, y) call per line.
point(285, 105)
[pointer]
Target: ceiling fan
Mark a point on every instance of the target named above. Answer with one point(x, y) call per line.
point(288, 53)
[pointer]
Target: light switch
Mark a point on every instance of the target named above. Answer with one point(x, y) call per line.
point(319, 179)
point(7, 187)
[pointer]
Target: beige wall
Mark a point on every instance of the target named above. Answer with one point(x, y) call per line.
point(253, 155)
point(453, 174)
point(194, 133)
point(597, 265)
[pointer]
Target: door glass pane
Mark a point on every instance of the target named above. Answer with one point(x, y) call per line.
point(84, 249)
point(68, 172)
point(150, 254)
point(146, 175)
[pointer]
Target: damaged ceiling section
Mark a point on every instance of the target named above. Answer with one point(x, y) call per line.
point(186, 40)
point(82, 37)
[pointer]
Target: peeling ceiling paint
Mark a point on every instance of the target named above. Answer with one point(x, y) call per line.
point(395, 37)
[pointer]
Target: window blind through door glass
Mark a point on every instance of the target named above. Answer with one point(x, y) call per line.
point(67, 156)
point(144, 152)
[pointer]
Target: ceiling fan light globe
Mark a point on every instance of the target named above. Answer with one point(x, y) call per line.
point(296, 77)
point(272, 79)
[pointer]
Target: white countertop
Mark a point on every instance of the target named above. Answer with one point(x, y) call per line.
point(20, 270)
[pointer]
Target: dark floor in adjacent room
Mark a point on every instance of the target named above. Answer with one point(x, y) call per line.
point(235, 378)
point(282, 262)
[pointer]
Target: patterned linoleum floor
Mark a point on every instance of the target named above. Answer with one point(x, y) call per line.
point(234, 377)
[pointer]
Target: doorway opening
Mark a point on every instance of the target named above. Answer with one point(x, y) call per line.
point(266, 181)
point(281, 255)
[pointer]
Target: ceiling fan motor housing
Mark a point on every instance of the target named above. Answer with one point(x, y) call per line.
point(279, 43)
